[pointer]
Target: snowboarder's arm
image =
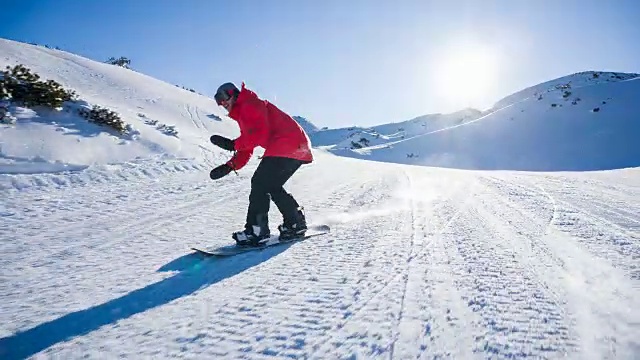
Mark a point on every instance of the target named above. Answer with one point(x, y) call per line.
point(240, 159)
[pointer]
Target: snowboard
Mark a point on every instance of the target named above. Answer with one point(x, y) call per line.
point(230, 250)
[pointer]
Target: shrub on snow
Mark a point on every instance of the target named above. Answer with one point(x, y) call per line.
point(25, 88)
point(105, 117)
point(20, 86)
point(122, 62)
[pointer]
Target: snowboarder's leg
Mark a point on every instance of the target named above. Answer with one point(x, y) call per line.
point(267, 184)
point(257, 223)
point(285, 202)
point(294, 219)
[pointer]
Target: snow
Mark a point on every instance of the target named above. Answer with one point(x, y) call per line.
point(421, 262)
point(139, 99)
point(591, 127)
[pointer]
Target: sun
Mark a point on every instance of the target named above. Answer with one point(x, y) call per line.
point(465, 74)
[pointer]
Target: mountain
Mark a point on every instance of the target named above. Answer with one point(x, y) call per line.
point(166, 123)
point(97, 224)
point(573, 81)
point(307, 125)
point(345, 138)
point(586, 121)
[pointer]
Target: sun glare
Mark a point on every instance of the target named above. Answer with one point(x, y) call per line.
point(465, 75)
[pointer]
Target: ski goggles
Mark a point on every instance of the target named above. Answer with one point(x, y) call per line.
point(221, 98)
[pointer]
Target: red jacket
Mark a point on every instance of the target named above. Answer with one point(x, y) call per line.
point(263, 124)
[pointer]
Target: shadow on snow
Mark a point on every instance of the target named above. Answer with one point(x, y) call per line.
point(195, 273)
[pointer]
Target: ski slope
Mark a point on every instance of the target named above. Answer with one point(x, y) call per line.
point(61, 141)
point(422, 262)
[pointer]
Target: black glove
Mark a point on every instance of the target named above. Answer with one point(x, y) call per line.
point(222, 142)
point(221, 171)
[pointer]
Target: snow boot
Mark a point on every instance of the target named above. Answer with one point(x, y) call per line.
point(294, 226)
point(253, 235)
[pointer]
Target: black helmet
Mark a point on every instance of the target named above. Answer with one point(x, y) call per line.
point(225, 92)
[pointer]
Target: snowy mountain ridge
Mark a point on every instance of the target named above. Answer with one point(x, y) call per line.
point(576, 80)
point(346, 137)
point(307, 125)
point(572, 123)
point(186, 120)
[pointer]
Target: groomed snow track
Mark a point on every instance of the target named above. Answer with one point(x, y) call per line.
point(421, 263)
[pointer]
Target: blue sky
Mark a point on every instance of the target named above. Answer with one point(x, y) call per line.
point(342, 63)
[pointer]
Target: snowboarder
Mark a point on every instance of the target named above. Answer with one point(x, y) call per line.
point(287, 147)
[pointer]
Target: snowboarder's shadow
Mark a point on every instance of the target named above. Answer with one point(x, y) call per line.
point(196, 272)
point(186, 262)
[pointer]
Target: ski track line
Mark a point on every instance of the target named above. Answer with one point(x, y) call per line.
point(603, 238)
point(450, 323)
point(513, 222)
point(202, 122)
point(528, 218)
point(623, 212)
point(410, 330)
point(351, 314)
point(389, 281)
point(186, 107)
point(367, 280)
point(415, 223)
point(606, 317)
point(200, 126)
point(370, 195)
point(519, 319)
point(606, 321)
point(418, 225)
point(423, 328)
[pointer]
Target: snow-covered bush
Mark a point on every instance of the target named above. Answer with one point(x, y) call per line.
point(121, 61)
point(103, 116)
point(22, 87)
point(5, 115)
point(164, 128)
point(168, 129)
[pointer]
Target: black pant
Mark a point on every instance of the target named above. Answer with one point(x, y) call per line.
point(267, 184)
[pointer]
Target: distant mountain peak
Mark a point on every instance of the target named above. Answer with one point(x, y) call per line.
point(307, 125)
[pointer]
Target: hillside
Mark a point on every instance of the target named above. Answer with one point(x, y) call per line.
point(589, 127)
point(166, 122)
point(345, 138)
point(421, 262)
point(573, 81)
